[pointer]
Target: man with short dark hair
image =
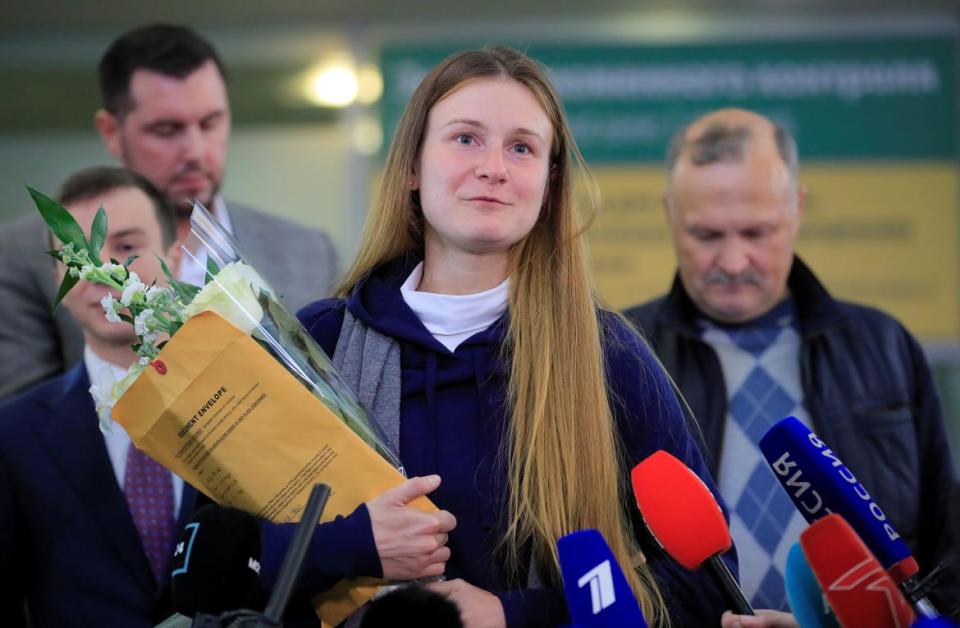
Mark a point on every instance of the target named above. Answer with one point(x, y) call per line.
point(166, 115)
point(88, 521)
point(165, 111)
point(751, 336)
point(97, 181)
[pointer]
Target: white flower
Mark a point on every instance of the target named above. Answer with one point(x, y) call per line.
point(107, 390)
point(232, 294)
point(141, 324)
point(111, 308)
point(117, 271)
point(155, 294)
point(88, 272)
point(133, 289)
point(100, 391)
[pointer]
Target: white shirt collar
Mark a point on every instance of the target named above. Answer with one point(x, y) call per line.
point(117, 441)
point(450, 318)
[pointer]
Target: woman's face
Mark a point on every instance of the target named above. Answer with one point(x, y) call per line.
point(483, 168)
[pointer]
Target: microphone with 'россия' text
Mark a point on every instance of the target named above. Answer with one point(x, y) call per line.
point(819, 484)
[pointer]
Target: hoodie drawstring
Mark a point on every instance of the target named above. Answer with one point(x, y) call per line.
point(433, 419)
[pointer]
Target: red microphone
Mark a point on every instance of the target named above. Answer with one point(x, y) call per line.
point(685, 519)
point(860, 591)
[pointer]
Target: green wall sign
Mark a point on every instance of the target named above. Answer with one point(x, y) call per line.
point(889, 98)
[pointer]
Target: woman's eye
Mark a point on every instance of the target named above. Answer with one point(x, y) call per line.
point(464, 139)
point(522, 148)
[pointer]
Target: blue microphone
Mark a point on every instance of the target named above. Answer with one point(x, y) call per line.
point(806, 599)
point(598, 594)
point(819, 484)
point(938, 622)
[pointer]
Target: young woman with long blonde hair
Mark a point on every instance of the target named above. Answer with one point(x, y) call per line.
point(469, 317)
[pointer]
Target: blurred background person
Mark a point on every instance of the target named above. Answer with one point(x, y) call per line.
point(165, 115)
point(751, 336)
point(89, 521)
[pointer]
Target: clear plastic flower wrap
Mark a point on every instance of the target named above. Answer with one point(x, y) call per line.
point(232, 288)
point(237, 292)
point(229, 390)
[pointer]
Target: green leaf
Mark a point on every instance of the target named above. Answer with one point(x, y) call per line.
point(184, 291)
point(129, 261)
point(98, 234)
point(212, 270)
point(61, 223)
point(126, 318)
point(166, 270)
point(69, 281)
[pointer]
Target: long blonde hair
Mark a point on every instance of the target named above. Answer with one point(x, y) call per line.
point(564, 468)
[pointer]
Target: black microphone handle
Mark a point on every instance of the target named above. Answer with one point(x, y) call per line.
point(916, 589)
point(722, 576)
point(293, 560)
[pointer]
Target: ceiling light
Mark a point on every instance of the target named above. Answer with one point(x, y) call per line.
point(332, 85)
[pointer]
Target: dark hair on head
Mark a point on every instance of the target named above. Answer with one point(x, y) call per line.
point(167, 49)
point(92, 182)
point(722, 142)
point(412, 606)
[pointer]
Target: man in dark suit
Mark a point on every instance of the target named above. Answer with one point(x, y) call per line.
point(165, 115)
point(87, 521)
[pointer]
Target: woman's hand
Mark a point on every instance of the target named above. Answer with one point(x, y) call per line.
point(762, 619)
point(412, 544)
point(478, 608)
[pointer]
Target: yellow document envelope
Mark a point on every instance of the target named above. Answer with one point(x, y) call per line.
point(223, 414)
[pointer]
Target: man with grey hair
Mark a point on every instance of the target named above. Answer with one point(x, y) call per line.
point(751, 336)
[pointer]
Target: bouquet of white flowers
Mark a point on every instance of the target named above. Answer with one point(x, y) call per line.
point(233, 289)
point(229, 391)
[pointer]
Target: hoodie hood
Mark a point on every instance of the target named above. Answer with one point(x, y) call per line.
point(378, 303)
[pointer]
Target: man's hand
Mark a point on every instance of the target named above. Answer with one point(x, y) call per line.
point(478, 608)
point(412, 544)
point(762, 619)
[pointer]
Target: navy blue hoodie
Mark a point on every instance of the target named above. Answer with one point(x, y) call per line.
point(452, 415)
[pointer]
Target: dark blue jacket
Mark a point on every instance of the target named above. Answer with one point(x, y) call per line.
point(452, 421)
point(71, 552)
